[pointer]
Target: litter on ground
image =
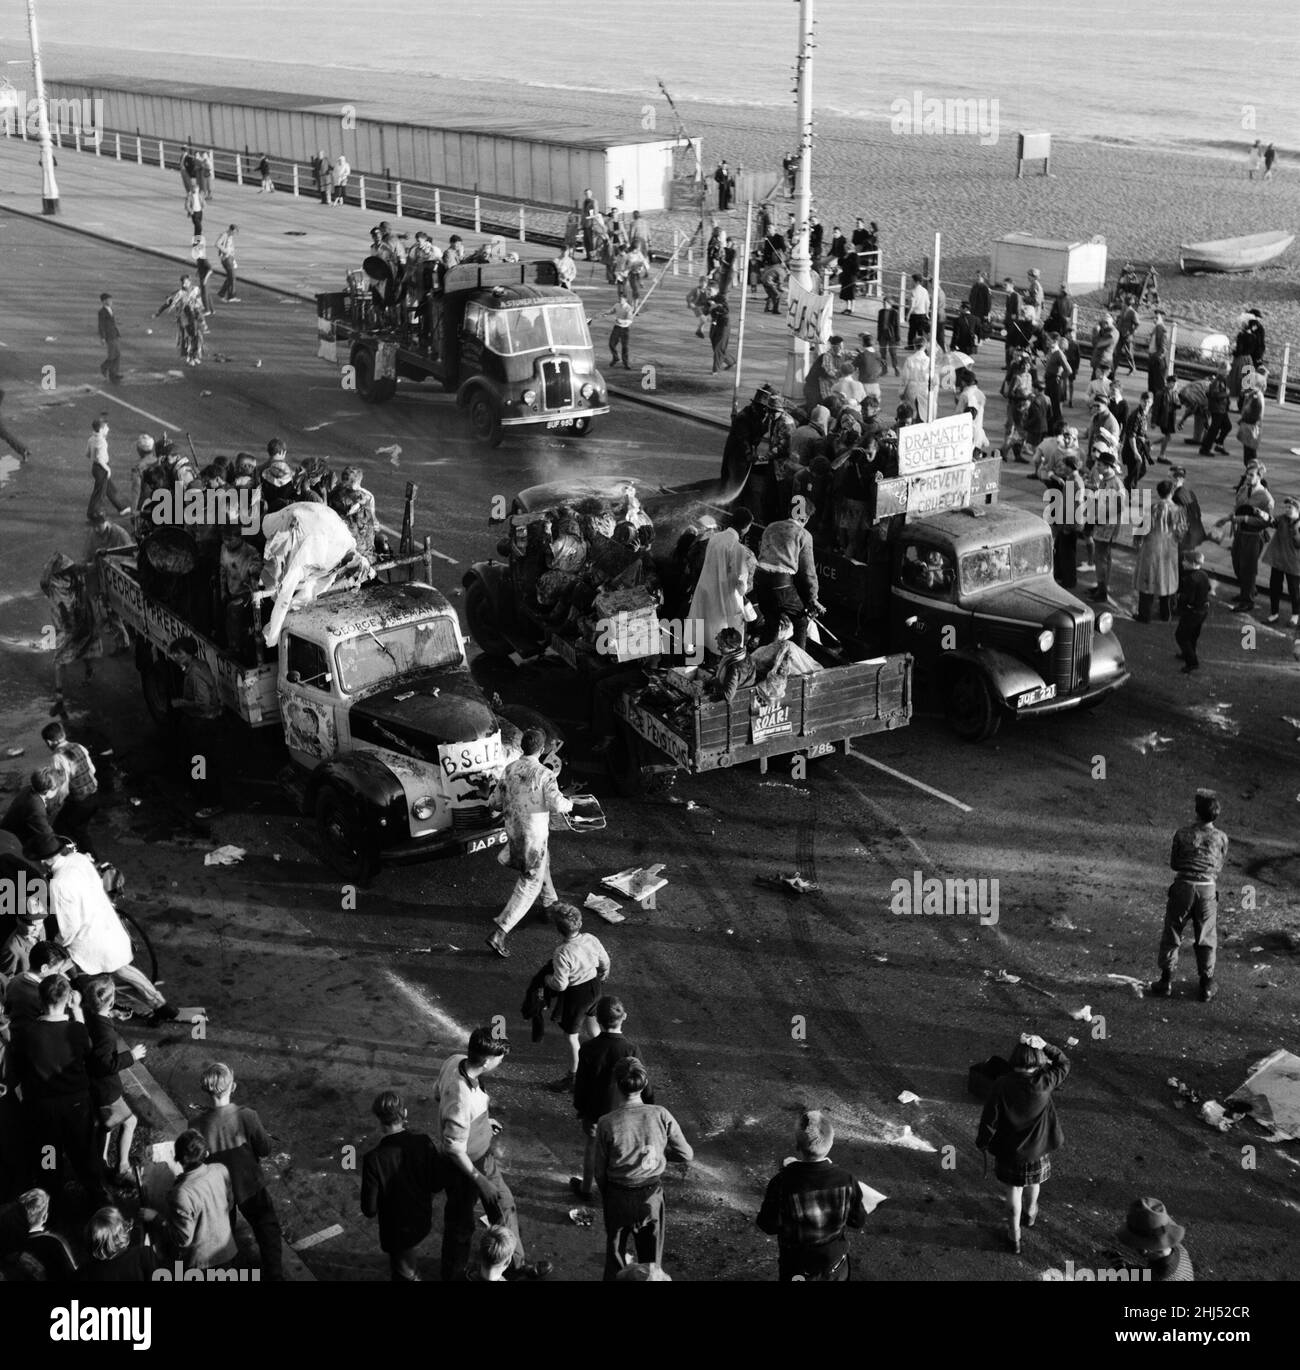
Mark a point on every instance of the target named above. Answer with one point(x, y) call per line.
point(606, 907)
point(1271, 1095)
point(637, 882)
point(788, 884)
point(1082, 1015)
point(907, 1097)
point(224, 856)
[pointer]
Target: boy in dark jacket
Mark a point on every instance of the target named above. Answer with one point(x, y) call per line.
point(236, 1139)
point(1192, 608)
point(594, 1090)
point(1020, 1128)
point(398, 1181)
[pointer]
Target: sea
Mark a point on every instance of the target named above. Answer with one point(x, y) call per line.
point(1188, 74)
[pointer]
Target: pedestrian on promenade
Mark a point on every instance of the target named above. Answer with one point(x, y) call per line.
point(1164, 412)
point(327, 181)
point(194, 207)
point(809, 1206)
point(207, 174)
point(226, 254)
point(981, 305)
point(790, 165)
point(1282, 557)
point(1020, 1128)
point(888, 332)
point(1197, 856)
point(918, 312)
point(342, 171)
point(399, 1178)
point(110, 335)
point(527, 794)
point(579, 968)
point(318, 165)
point(1150, 1232)
point(1270, 156)
point(634, 1144)
point(1105, 337)
point(1126, 326)
point(726, 184)
point(1252, 517)
point(77, 782)
point(594, 1090)
point(468, 1143)
point(264, 171)
point(1155, 577)
point(1195, 591)
point(720, 335)
point(588, 223)
point(189, 168)
point(202, 269)
point(109, 1057)
point(1158, 353)
point(1218, 403)
point(236, 1139)
point(1255, 159)
point(1252, 415)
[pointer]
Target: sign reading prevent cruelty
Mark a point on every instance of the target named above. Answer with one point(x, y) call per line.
point(951, 487)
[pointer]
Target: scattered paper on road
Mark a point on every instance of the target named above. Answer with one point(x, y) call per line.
point(1082, 1015)
point(1272, 1095)
point(637, 882)
point(224, 856)
point(907, 1097)
point(871, 1198)
point(606, 907)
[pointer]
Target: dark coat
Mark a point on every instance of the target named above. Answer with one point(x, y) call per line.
point(398, 1181)
point(1019, 1121)
point(27, 818)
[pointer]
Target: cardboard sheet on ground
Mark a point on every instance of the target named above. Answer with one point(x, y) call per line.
point(637, 882)
point(224, 856)
point(1272, 1094)
point(607, 908)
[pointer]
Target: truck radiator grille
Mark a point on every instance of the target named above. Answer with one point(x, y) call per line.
point(1072, 655)
point(557, 383)
point(471, 818)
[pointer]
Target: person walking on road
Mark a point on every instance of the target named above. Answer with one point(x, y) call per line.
point(1252, 518)
point(398, 1181)
point(1282, 557)
point(468, 1143)
point(621, 333)
point(810, 1205)
point(527, 794)
point(1020, 1128)
point(594, 1090)
point(579, 968)
point(226, 254)
point(720, 335)
point(1197, 856)
point(202, 269)
point(194, 208)
point(634, 1144)
point(1195, 591)
point(110, 335)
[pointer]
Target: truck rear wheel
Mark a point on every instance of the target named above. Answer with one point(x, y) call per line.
point(482, 623)
point(485, 418)
point(371, 389)
point(159, 688)
point(347, 846)
point(969, 706)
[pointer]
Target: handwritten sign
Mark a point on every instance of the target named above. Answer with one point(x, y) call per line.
point(471, 758)
point(927, 446)
point(808, 315)
point(655, 732)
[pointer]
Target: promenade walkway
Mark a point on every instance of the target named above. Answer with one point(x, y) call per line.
point(298, 247)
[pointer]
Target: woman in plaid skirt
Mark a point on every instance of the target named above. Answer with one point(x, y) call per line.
point(1020, 1127)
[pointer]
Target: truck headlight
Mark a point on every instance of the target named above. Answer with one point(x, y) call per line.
point(529, 396)
point(1045, 640)
point(424, 808)
point(587, 391)
point(1105, 622)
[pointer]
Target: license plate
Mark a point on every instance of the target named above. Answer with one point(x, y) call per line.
point(820, 749)
point(1037, 696)
point(483, 843)
point(560, 423)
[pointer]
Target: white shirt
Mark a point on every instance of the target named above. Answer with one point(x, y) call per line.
point(226, 244)
point(920, 300)
point(88, 923)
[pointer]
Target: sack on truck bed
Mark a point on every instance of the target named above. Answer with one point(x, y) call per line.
point(308, 549)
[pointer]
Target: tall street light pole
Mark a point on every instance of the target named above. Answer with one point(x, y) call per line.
point(796, 365)
point(49, 186)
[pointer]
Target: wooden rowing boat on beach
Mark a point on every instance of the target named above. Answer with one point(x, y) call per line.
point(1233, 254)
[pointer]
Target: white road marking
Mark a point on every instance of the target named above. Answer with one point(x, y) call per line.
point(144, 413)
point(441, 1020)
point(316, 1238)
point(907, 779)
point(316, 427)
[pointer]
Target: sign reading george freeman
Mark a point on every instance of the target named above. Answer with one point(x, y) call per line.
point(926, 446)
point(808, 314)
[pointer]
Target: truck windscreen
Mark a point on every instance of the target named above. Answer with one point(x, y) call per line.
point(1005, 564)
point(374, 658)
point(512, 332)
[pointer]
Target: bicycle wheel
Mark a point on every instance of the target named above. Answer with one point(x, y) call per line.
point(143, 956)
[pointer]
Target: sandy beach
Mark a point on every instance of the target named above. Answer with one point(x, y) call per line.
point(1143, 201)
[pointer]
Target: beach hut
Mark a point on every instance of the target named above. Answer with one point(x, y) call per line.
point(1080, 266)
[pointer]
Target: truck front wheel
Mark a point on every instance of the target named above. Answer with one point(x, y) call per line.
point(485, 418)
point(347, 846)
point(969, 706)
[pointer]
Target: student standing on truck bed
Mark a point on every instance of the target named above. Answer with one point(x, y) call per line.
point(785, 579)
point(200, 707)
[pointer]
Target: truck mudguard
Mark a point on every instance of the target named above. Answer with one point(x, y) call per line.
point(375, 789)
point(1007, 675)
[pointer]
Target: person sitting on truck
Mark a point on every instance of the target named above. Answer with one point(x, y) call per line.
point(356, 507)
point(785, 580)
point(851, 481)
point(735, 669)
point(565, 558)
point(277, 490)
point(239, 575)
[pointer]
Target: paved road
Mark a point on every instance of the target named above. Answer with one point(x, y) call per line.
point(747, 1004)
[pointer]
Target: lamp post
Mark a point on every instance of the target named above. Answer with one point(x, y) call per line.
point(796, 364)
point(49, 186)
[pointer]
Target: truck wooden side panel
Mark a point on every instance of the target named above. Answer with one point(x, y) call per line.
point(248, 691)
point(818, 710)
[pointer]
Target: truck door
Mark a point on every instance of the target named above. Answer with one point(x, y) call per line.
point(473, 327)
point(924, 615)
point(308, 705)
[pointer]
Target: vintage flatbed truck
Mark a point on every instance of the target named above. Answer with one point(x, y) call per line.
point(659, 726)
point(517, 356)
point(394, 747)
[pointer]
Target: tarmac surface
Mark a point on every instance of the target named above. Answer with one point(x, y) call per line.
point(747, 1004)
